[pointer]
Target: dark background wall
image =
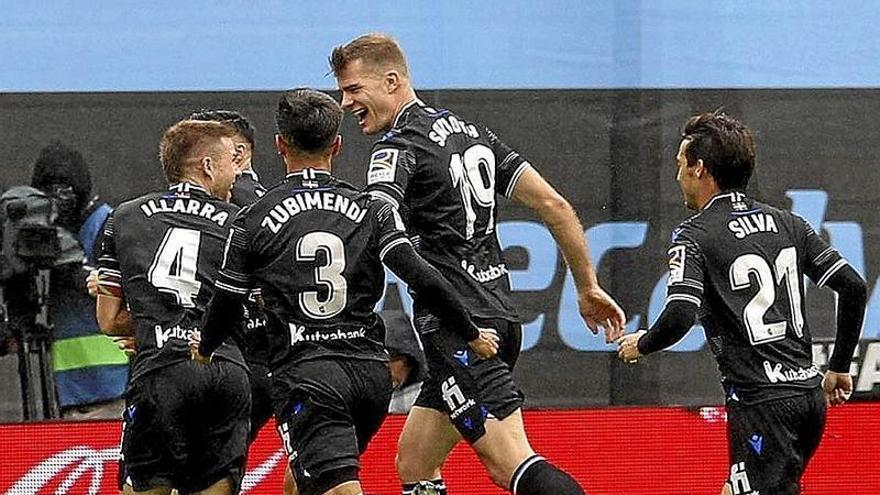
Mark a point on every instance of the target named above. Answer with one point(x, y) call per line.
point(611, 152)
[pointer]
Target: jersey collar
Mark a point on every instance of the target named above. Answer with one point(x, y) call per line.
point(188, 188)
point(251, 173)
point(405, 110)
point(731, 195)
point(309, 177)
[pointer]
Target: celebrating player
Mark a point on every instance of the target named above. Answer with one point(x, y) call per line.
point(185, 426)
point(738, 264)
point(315, 247)
point(444, 172)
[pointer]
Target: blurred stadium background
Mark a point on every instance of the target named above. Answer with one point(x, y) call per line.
point(593, 93)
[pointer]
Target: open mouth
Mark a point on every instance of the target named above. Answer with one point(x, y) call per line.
point(360, 115)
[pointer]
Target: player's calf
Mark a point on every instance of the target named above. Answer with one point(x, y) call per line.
point(536, 476)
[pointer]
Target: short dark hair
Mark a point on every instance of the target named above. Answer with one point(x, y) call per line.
point(308, 120)
point(726, 146)
point(375, 49)
point(185, 139)
point(231, 117)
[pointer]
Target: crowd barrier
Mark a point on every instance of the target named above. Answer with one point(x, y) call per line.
point(610, 451)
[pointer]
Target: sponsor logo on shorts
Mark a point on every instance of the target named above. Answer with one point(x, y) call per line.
point(739, 480)
point(454, 398)
point(383, 165)
point(776, 374)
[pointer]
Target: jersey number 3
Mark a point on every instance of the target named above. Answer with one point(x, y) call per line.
point(767, 278)
point(328, 274)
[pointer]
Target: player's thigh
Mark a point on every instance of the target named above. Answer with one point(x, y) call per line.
point(347, 488)
point(313, 400)
point(226, 486)
point(425, 442)
point(764, 445)
point(504, 447)
point(221, 421)
point(159, 490)
point(468, 389)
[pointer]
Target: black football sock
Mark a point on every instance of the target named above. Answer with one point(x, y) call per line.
point(536, 476)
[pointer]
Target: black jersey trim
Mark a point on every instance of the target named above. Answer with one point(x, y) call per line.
point(386, 197)
point(831, 271)
point(515, 178)
point(415, 101)
point(391, 245)
point(684, 298)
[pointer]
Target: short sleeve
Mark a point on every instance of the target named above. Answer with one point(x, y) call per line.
point(109, 273)
point(235, 272)
point(686, 271)
point(392, 163)
point(509, 165)
point(821, 261)
point(390, 231)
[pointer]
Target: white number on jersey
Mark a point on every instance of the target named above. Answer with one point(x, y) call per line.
point(328, 275)
point(761, 332)
point(175, 265)
point(474, 174)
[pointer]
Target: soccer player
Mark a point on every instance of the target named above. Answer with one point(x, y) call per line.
point(315, 247)
point(738, 264)
point(444, 173)
point(185, 425)
point(252, 339)
point(247, 187)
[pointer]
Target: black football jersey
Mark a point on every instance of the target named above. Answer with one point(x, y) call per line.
point(314, 245)
point(445, 174)
point(247, 189)
point(743, 263)
point(161, 252)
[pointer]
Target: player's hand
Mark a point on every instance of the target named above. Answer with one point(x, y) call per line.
point(126, 345)
point(92, 283)
point(838, 387)
point(598, 309)
point(486, 345)
point(195, 354)
point(628, 347)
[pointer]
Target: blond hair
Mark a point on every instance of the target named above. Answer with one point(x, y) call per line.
point(186, 140)
point(376, 50)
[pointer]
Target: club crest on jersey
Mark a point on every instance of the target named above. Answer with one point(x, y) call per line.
point(676, 264)
point(383, 165)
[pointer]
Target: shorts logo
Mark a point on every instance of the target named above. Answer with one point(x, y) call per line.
point(757, 443)
point(739, 480)
point(676, 264)
point(461, 356)
point(383, 165)
point(284, 431)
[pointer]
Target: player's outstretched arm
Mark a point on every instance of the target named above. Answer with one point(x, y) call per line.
point(437, 294)
point(674, 322)
point(852, 292)
point(597, 308)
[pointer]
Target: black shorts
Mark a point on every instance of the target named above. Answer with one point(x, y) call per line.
point(327, 411)
point(467, 388)
point(186, 426)
point(261, 398)
point(770, 443)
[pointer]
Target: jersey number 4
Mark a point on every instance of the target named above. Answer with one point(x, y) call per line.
point(473, 173)
point(175, 265)
point(784, 270)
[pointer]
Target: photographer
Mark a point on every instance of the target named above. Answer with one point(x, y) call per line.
point(90, 372)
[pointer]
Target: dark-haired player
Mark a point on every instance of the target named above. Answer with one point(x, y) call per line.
point(315, 246)
point(185, 426)
point(445, 172)
point(738, 265)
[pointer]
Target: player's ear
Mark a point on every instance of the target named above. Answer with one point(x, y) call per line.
point(699, 169)
point(207, 166)
point(281, 145)
point(392, 81)
point(336, 147)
